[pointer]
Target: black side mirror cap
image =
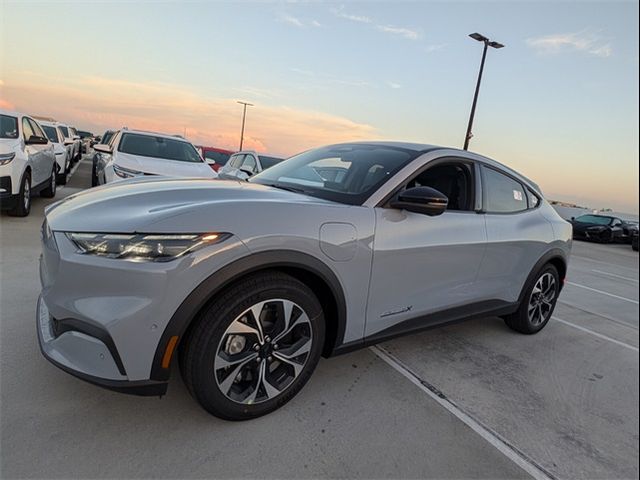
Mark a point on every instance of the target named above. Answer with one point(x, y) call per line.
point(37, 140)
point(425, 200)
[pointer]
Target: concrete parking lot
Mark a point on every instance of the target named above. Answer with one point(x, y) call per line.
point(472, 400)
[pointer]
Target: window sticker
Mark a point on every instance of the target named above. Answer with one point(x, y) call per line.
point(517, 194)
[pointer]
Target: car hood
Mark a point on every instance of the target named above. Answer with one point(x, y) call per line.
point(161, 166)
point(8, 145)
point(168, 205)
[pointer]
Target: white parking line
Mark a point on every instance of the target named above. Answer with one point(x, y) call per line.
point(615, 276)
point(510, 451)
point(603, 293)
point(603, 263)
point(596, 334)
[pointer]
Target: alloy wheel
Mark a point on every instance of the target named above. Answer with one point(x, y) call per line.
point(26, 197)
point(263, 351)
point(542, 299)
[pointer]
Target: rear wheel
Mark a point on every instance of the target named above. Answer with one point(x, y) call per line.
point(23, 203)
point(254, 347)
point(538, 303)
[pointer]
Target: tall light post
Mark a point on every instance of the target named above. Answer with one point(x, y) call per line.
point(487, 43)
point(244, 114)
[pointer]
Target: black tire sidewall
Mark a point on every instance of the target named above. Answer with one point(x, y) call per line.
point(205, 340)
point(524, 315)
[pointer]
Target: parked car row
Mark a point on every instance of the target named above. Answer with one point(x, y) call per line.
point(130, 153)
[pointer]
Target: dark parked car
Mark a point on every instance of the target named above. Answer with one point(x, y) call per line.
point(602, 228)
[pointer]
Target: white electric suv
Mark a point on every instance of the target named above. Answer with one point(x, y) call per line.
point(135, 153)
point(27, 163)
point(60, 148)
point(250, 282)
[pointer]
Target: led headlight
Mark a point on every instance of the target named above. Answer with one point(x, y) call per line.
point(143, 247)
point(6, 157)
point(125, 172)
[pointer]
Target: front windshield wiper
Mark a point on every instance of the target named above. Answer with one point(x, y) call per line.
point(284, 187)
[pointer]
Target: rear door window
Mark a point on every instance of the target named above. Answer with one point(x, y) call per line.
point(502, 194)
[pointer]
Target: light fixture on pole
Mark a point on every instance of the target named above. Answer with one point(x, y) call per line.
point(487, 43)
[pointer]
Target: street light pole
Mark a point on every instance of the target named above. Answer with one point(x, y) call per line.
point(244, 114)
point(487, 43)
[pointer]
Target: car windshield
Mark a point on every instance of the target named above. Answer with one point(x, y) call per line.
point(8, 126)
point(158, 147)
point(595, 219)
point(219, 157)
point(347, 173)
point(65, 130)
point(50, 132)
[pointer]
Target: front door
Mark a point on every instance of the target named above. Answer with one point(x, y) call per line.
point(422, 264)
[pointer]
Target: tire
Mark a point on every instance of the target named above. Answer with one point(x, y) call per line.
point(243, 359)
point(540, 304)
point(606, 236)
point(61, 176)
point(94, 173)
point(23, 204)
point(50, 190)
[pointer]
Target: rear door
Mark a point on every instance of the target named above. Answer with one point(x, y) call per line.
point(33, 152)
point(425, 265)
point(517, 234)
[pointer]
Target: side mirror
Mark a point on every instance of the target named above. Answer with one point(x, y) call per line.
point(426, 200)
point(210, 161)
point(102, 148)
point(36, 140)
point(76, 137)
point(573, 218)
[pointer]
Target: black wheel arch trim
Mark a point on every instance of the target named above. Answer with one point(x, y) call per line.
point(552, 255)
point(216, 282)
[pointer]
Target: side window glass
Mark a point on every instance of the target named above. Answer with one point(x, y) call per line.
point(237, 161)
point(502, 193)
point(534, 201)
point(27, 131)
point(249, 163)
point(451, 179)
point(36, 128)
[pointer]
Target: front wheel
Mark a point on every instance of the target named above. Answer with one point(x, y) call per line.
point(538, 302)
point(23, 202)
point(254, 347)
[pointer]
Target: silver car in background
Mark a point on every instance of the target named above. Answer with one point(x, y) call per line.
point(244, 165)
point(247, 284)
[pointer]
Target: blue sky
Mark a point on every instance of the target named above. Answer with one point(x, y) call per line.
point(559, 103)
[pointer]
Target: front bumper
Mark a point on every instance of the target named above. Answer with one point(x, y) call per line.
point(87, 357)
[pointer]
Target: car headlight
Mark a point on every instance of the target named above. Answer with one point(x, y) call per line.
point(143, 247)
point(125, 172)
point(6, 157)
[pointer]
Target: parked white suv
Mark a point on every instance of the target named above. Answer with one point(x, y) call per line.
point(245, 164)
point(27, 163)
point(72, 137)
point(134, 153)
point(61, 149)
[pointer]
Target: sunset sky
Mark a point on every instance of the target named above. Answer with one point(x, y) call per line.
point(559, 103)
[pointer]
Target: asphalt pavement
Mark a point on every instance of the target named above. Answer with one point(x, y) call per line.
point(472, 400)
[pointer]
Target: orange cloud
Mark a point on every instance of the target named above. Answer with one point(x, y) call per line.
point(98, 103)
